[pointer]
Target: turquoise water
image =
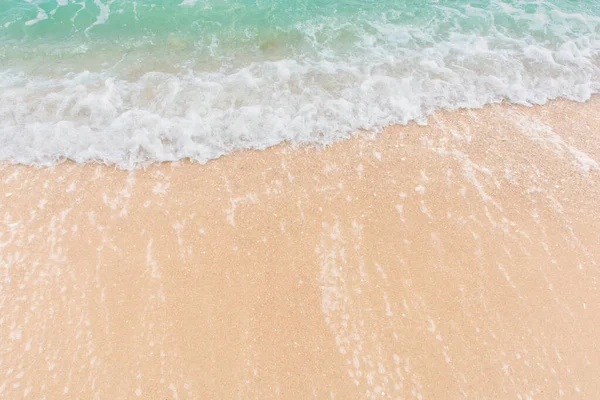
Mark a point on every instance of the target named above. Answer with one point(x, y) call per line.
point(131, 82)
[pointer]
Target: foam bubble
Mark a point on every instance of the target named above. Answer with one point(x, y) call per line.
point(165, 116)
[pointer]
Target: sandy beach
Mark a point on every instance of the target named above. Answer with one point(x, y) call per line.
point(453, 260)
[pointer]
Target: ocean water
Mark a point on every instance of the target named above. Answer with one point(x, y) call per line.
point(131, 82)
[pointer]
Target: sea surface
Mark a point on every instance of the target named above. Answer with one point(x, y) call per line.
point(133, 82)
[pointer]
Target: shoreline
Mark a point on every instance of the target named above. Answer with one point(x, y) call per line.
point(454, 259)
point(309, 146)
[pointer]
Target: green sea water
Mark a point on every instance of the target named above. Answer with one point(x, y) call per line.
point(204, 31)
point(130, 82)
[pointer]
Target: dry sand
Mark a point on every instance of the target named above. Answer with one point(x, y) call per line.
point(456, 260)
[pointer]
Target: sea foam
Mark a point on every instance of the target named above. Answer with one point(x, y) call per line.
point(321, 84)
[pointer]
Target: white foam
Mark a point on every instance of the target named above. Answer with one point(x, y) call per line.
point(160, 116)
point(103, 14)
point(41, 15)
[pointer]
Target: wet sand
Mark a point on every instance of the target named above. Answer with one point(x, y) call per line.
point(455, 260)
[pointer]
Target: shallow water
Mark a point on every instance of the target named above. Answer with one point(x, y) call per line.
point(131, 82)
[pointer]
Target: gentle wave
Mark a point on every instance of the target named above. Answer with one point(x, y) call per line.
point(316, 74)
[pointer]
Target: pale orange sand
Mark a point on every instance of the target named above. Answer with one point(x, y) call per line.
point(456, 260)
